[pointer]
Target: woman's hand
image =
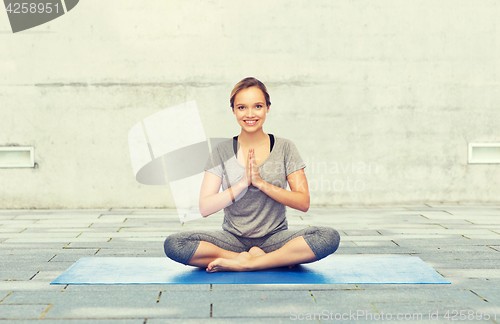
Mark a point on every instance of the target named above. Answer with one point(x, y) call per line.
point(256, 179)
point(247, 175)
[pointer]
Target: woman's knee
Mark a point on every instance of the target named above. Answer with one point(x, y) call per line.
point(334, 238)
point(171, 244)
point(179, 247)
point(329, 238)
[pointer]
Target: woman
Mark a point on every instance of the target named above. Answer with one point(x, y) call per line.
point(253, 169)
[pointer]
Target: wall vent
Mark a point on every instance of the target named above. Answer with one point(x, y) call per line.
point(484, 152)
point(17, 157)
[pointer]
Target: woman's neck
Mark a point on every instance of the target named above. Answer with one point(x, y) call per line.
point(252, 139)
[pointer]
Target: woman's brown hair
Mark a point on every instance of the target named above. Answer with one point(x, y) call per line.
point(247, 83)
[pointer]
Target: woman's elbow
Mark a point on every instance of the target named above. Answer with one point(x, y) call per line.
point(204, 213)
point(305, 206)
point(202, 209)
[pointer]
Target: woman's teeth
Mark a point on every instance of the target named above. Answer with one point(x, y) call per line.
point(248, 122)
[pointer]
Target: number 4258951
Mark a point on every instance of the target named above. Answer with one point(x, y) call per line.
point(32, 7)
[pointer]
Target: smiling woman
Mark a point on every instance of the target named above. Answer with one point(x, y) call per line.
point(255, 232)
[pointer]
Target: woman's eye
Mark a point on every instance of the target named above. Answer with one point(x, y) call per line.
point(241, 107)
point(259, 106)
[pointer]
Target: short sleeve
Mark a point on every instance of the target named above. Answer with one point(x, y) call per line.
point(214, 163)
point(293, 160)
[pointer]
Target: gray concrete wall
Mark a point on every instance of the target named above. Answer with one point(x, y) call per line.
point(400, 86)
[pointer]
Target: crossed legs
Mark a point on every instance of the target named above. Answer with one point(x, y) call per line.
point(222, 251)
point(293, 252)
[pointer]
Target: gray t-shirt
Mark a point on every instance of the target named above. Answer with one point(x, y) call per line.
point(253, 213)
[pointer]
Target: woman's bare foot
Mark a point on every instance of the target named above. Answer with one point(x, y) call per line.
point(240, 263)
point(256, 251)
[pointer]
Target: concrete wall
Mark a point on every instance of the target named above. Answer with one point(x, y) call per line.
point(400, 86)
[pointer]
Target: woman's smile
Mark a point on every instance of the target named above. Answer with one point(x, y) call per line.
point(251, 122)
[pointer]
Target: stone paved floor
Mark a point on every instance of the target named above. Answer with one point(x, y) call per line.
point(461, 242)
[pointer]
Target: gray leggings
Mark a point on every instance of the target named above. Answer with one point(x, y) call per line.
point(181, 246)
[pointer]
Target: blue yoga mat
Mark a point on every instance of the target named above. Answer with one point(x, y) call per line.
point(330, 270)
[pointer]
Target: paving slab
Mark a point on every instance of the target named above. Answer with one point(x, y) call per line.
point(470, 273)
point(19, 311)
point(105, 298)
point(131, 289)
point(463, 264)
point(86, 321)
point(127, 304)
point(13, 274)
point(41, 239)
point(32, 267)
point(257, 303)
point(225, 320)
point(280, 287)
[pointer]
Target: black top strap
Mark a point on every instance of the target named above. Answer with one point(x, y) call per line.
point(235, 143)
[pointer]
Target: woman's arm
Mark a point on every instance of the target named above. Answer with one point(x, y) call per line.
point(297, 198)
point(211, 201)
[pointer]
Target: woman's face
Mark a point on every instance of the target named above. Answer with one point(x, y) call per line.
point(250, 105)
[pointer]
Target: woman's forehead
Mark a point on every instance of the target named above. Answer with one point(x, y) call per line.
point(250, 94)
